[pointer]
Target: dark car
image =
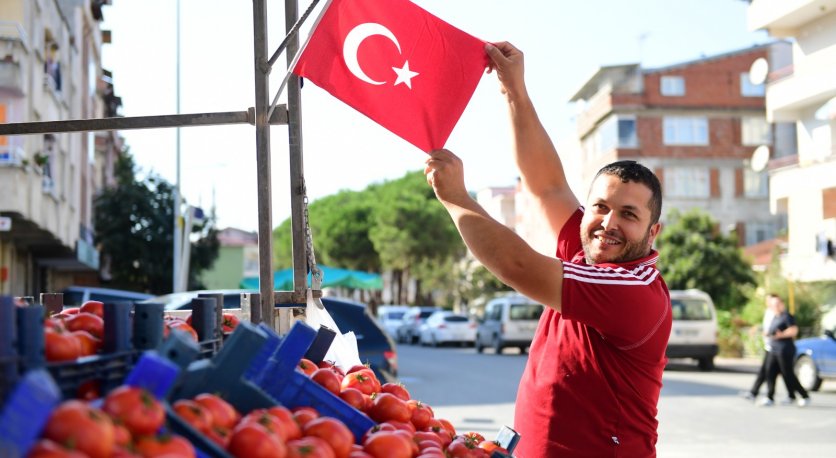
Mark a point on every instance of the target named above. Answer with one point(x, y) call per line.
point(373, 344)
point(815, 360)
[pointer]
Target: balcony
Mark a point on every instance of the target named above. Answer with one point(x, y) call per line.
point(788, 97)
point(783, 17)
point(13, 49)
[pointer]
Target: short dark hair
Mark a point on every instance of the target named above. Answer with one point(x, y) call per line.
point(633, 171)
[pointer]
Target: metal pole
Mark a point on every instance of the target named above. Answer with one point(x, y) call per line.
point(138, 122)
point(262, 142)
point(297, 182)
point(175, 267)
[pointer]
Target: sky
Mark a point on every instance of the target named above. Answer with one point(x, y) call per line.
point(564, 41)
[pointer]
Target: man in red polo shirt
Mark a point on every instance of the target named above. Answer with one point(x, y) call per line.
point(594, 371)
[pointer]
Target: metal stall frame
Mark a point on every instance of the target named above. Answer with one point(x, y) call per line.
point(278, 318)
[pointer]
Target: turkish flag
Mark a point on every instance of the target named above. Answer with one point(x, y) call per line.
point(396, 63)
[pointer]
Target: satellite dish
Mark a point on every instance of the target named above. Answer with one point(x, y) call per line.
point(760, 158)
point(758, 71)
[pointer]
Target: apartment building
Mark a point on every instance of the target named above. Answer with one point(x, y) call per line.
point(803, 186)
point(50, 69)
point(696, 124)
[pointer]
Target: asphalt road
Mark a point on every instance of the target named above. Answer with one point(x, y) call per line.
point(700, 413)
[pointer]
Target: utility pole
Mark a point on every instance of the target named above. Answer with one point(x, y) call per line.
point(178, 247)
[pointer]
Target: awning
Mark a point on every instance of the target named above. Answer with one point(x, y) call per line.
point(331, 277)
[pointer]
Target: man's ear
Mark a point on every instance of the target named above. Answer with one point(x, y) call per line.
point(654, 232)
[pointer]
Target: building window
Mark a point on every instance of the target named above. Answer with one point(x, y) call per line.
point(687, 182)
point(685, 130)
point(755, 184)
point(747, 89)
point(755, 131)
point(672, 86)
point(757, 232)
point(627, 137)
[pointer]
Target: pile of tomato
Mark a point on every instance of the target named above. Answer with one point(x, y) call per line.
point(126, 426)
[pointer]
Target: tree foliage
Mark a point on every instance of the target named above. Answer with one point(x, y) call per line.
point(134, 229)
point(693, 254)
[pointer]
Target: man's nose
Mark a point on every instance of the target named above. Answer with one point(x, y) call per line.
point(609, 221)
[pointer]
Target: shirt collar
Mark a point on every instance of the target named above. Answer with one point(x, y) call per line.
point(649, 260)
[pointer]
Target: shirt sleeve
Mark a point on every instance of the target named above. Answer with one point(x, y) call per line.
point(569, 239)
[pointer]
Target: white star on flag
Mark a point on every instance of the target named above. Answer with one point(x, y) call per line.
point(405, 75)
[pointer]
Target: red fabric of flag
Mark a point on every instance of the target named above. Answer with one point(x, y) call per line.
point(391, 60)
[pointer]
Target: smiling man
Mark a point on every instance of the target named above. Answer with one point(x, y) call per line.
point(594, 372)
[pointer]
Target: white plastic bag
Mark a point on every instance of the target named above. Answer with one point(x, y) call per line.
point(343, 351)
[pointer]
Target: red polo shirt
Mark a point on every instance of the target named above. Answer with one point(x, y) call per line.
point(594, 371)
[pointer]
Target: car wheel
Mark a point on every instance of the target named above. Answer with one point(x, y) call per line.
point(478, 344)
point(807, 373)
point(497, 345)
point(706, 364)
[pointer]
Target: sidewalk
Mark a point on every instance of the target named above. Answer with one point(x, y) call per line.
point(745, 364)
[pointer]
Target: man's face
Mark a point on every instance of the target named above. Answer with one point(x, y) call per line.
point(616, 224)
point(776, 304)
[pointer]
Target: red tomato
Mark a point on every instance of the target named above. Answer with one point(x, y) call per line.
point(86, 322)
point(303, 415)
point(223, 414)
point(219, 435)
point(264, 418)
point(288, 427)
point(135, 408)
point(448, 426)
point(389, 407)
point(309, 447)
point(181, 325)
point(89, 344)
point(46, 448)
point(420, 414)
point(193, 413)
point(359, 454)
point(253, 440)
point(333, 431)
point(61, 346)
point(54, 324)
point(332, 366)
point(328, 379)
point(89, 429)
point(353, 397)
point(362, 380)
point(490, 446)
point(89, 390)
point(121, 436)
point(307, 366)
point(399, 425)
point(428, 436)
point(464, 448)
point(385, 444)
point(71, 310)
point(397, 389)
point(165, 445)
point(229, 322)
point(122, 452)
point(474, 437)
point(94, 307)
point(355, 368)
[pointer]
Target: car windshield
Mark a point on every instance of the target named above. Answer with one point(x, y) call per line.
point(525, 311)
point(424, 314)
point(455, 319)
point(393, 316)
point(690, 309)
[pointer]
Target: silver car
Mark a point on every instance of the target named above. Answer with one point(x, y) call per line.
point(410, 329)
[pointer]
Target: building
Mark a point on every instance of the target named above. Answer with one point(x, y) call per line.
point(50, 69)
point(803, 186)
point(237, 259)
point(696, 124)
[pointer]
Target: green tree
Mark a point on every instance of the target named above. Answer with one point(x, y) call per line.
point(134, 222)
point(693, 254)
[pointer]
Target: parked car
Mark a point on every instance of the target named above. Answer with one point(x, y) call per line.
point(445, 327)
point(694, 328)
point(815, 359)
point(373, 344)
point(509, 321)
point(76, 295)
point(408, 331)
point(390, 318)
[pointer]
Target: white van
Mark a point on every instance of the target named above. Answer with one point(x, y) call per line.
point(509, 321)
point(694, 329)
point(390, 317)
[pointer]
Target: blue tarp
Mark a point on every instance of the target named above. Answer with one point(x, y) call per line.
point(331, 277)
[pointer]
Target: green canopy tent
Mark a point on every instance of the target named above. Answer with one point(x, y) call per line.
point(332, 277)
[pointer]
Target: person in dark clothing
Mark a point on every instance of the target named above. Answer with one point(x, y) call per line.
point(783, 331)
point(766, 370)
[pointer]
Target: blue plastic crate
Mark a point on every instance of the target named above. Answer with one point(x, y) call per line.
point(109, 370)
point(26, 413)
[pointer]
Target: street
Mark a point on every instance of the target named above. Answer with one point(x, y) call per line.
point(700, 413)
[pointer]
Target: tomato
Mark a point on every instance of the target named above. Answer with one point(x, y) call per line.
point(428, 436)
point(219, 435)
point(389, 407)
point(71, 310)
point(333, 431)
point(397, 389)
point(54, 324)
point(86, 322)
point(303, 415)
point(328, 379)
point(354, 398)
point(89, 344)
point(420, 414)
point(409, 437)
point(356, 367)
point(121, 436)
point(94, 307)
point(490, 446)
point(309, 447)
point(87, 429)
point(359, 454)
point(461, 447)
point(181, 325)
point(386, 444)
point(122, 452)
point(448, 426)
point(253, 440)
point(473, 437)
point(165, 445)
point(223, 414)
point(61, 346)
point(46, 448)
point(332, 366)
point(263, 418)
point(362, 380)
point(193, 413)
point(307, 366)
point(229, 322)
point(288, 427)
point(89, 390)
point(136, 408)
point(444, 435)
point(399, 425)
